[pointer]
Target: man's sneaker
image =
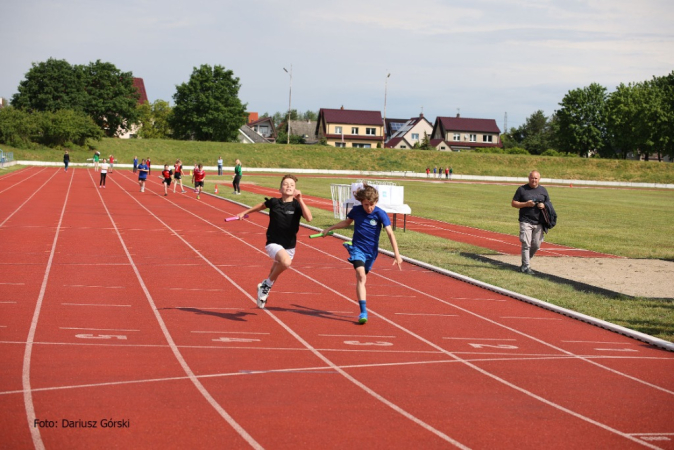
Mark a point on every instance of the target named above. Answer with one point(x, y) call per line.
point(362, 318)
point(527, 270)
point(262, 294)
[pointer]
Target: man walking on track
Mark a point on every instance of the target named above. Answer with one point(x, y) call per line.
point(530, 199)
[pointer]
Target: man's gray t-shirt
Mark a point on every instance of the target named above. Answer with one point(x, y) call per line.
point(526, 193)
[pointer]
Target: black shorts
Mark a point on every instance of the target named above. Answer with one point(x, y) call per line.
point(167, 181)
point(177, 176)
point(198, 184)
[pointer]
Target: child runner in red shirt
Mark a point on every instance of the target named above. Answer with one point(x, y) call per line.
point(166, 173)
point(198, 179)
point(178, 176)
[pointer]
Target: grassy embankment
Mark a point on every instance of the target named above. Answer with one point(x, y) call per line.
point(635, 223)
point(313, 157)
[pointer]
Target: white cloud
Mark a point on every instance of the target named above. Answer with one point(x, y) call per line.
point(484, 56)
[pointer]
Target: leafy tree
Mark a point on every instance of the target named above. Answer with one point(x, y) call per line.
point(207, 107)
point(112, 97)
point(17, 127)
point(154, 120)
point(582, 120)
point(99, 89)
point(50, 86)
point(663, 124)
point(65, 127)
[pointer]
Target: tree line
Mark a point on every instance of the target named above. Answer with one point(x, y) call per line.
point(637, 119)
point(59, 104)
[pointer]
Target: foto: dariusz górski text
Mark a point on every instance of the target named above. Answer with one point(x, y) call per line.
point(79, 423)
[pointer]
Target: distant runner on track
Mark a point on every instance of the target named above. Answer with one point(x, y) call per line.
point(198, 179)
point(284, 223)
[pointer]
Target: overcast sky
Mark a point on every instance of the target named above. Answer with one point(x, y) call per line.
point(486, 57)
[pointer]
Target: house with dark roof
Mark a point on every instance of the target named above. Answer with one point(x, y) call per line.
point(460, 133)
point(306, 129)
point(392, 127)
point(249, 136)
point(410, 133)
point(350, 128)
point(139, 84)
point(264, 127)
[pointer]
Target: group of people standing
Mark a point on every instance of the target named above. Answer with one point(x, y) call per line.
point(437, 172)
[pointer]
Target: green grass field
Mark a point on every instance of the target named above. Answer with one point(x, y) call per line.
point(634, 223)
point(320, 157)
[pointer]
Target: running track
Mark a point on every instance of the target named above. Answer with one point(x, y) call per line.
point(139, 307)
point(499, 242)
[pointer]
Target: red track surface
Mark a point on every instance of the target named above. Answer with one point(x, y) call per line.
point(499, 242)
point(116, 304)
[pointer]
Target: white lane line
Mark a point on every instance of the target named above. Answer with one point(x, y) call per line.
point(28, 199)
point(167, 335)
point(530, 318)
point(356, 335)
point(25, 376)
point(207, 308)
point(599, 342)
point(299, 369)
point(479, 339)
point(94, 329)
point(24, 179)
point(88, 286)
point(7, 302)
point(227, 332)
point(313, 350)
point(426, 314)
point(13, 284)
point(481, 299)
point(95, 304)
point(483, 371)
point(196, 289)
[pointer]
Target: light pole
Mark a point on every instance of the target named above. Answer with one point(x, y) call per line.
point(385, 92)
point(290, 97)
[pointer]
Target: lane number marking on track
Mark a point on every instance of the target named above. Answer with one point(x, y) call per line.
point(231, 339)
point(120, 337)
point(499, 346)
point(616, 350)
point(376, 343)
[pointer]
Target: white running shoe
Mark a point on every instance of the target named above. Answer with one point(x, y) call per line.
point(262, 294)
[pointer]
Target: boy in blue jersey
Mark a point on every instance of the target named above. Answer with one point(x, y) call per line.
point(364, 248)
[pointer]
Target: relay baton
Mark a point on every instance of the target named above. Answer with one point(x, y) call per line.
point(229, 219)
point(321, 235)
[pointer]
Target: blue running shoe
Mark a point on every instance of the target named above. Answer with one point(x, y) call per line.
point(362, 318)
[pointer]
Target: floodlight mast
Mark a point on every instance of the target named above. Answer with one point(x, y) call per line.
point(290, 97)
point(385, 93)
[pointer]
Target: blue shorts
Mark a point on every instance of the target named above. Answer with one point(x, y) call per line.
point(360, 258)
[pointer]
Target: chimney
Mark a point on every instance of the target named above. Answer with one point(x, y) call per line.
point(342, 108)
point(421, 115)
point(458, 115)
